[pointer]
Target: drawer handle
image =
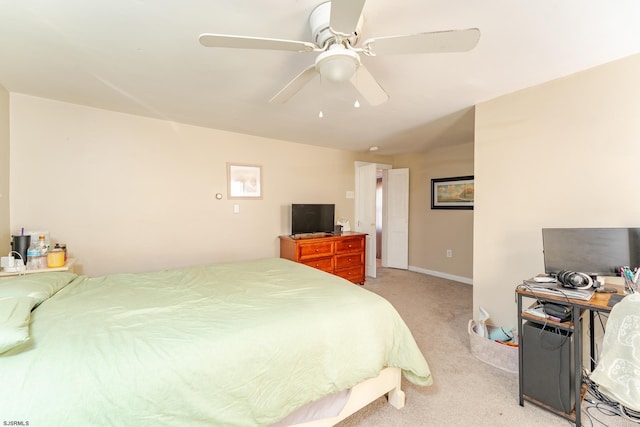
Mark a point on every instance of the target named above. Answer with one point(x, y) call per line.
point(349, 245)
point(349, 259)
point(317, 250)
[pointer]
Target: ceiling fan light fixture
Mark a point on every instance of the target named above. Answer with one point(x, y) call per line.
point(336, 28)
point(337, 65)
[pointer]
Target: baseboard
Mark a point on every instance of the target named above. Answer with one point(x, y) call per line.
point(460, 279)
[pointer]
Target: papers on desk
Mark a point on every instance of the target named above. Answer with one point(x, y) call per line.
point(539, 312)
point(558, 290)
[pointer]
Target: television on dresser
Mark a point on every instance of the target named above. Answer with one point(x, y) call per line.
point(312, 218)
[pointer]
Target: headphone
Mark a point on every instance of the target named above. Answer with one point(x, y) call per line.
point(574, 279)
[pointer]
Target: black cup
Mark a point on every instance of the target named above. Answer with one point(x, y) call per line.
point(20, 244)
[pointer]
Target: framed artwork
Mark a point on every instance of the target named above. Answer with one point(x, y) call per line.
point(452, 193)
point(244, 181)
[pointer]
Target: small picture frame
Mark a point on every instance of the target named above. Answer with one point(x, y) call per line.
point(244, 181)
point(452, 193)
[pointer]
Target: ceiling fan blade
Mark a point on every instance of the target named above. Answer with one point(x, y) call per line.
point(434, 42)
point(294, 85)
point(240, 42)
point(345, 15)
point(368, 87)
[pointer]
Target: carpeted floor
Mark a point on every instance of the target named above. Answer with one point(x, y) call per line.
point(466, 391)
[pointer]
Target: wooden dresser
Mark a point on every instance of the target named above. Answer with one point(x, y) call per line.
point(342, 255)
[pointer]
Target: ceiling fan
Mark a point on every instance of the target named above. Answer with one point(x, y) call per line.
point(335, 27)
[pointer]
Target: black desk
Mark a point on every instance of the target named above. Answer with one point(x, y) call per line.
point(598, 303)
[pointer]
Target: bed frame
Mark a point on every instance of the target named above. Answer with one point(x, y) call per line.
point(364, 393)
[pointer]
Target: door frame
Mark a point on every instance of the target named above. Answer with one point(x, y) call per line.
point(370, 268)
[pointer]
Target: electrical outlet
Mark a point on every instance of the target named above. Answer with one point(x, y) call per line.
point(449, 253)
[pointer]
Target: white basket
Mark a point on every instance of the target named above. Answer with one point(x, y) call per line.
point(501, 356)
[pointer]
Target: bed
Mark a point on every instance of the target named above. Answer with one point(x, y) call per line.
point(252, 343)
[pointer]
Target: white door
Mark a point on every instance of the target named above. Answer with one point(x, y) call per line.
point(395, 218)
point(365, 208)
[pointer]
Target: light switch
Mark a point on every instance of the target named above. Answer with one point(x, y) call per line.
point(236, 208)
point(350, 194)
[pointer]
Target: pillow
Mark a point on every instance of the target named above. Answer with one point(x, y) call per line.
point(39, 286)
point(14, 321)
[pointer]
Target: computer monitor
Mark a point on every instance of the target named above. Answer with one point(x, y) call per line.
point(594, 251)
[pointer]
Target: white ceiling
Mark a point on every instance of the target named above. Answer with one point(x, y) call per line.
point(143, 57)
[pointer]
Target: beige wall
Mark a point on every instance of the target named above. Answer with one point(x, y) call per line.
point(562, 154)
point(5, 233)
point(432, 232)
point(129, 193)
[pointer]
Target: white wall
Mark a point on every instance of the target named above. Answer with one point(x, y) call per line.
point(129, 193)
point(562, 154)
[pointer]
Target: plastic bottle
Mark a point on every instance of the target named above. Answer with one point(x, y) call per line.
point(33, 255)
point(44, 248)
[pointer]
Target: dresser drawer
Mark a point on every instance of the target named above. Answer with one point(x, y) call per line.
point(324, 264)
point(342, 254)
point(350, 245)
point(315, 249)
point(354, 274)
point(349, 260)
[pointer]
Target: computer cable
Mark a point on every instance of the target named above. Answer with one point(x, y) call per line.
point(601, 409)
point(629, 414)
point(600, 315)
point(606, 405)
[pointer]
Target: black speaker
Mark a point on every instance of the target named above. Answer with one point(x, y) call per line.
point(547, 366)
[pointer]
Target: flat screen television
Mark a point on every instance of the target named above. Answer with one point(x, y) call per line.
point(312, 218)
point(593, 251)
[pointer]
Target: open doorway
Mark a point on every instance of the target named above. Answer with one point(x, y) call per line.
point(390, 221)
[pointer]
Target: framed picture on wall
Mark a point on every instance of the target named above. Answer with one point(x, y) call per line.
point(452, 193)
point(244, 181)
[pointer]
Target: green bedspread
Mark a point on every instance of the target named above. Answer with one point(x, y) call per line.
point(239, 344)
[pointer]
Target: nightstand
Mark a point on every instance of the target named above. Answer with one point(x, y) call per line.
point(68, 266)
